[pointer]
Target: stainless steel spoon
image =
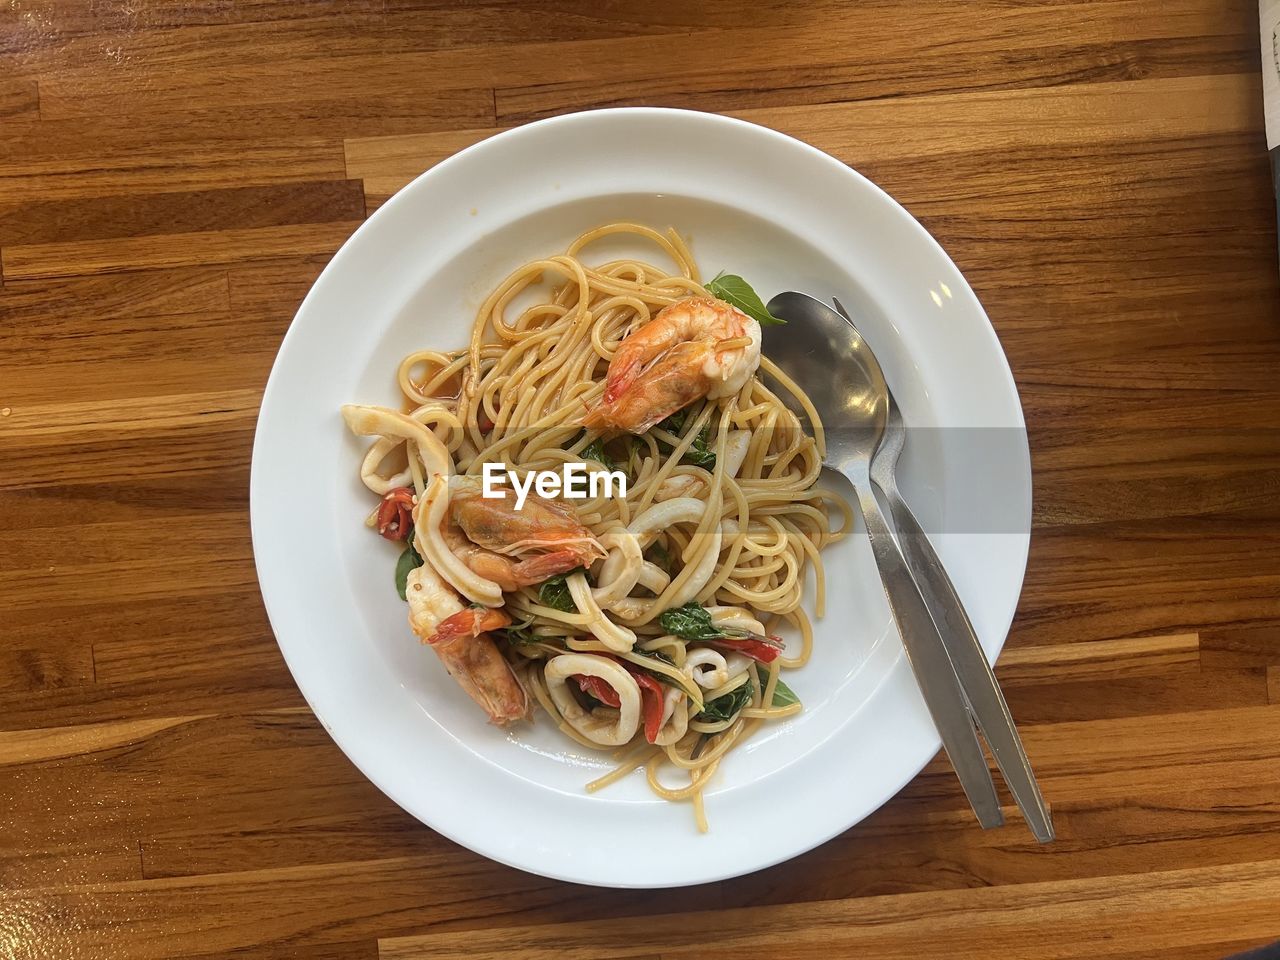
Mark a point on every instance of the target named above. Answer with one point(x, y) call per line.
point(961, 640)
point(828, 357)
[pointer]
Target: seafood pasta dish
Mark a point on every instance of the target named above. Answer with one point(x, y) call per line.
point(606, 513)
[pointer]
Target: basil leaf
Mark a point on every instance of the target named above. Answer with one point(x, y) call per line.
point(656, 655)
point(595, 451)
point(783, 696)
point(675, 423)
point(736, 291)
point(699, 454)
point(409, 560)
point(728, 706)
point(554, 593)
point(689, 622)
point(658, 554)
point(519, 635)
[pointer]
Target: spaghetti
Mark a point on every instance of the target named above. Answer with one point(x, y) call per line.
point(642, 624)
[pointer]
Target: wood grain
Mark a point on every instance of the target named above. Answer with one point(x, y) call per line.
point(1214, 909)
point(173, 177)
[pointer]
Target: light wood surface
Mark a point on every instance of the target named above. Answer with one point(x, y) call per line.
point(175, 173)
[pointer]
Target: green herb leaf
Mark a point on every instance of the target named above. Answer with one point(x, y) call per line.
point(655, 655)
point(675, 422)
point(736, 291)
point(783, 696)
point(728, 706)
point(699, 454)
point(658, 554)
point(689, 622)
point(409, 560)
point(554, 593)
point(595, 451)
point(519, 635)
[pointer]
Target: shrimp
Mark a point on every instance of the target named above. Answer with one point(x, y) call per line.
point(510, 575)
point(457, 635)
point(698, 347)
point(496, 531)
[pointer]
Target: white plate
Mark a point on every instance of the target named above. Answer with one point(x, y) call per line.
point(757, 203)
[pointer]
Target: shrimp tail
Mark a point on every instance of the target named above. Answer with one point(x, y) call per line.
point(470, 622)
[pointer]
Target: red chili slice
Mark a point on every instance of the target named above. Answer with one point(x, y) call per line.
point(395, 513)
point(651, 703)
point(652, 697)
point(599, 688)
point(765, 651)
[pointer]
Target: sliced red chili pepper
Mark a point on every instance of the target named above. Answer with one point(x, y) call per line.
point(599, 688)
point(651, 703)
point(652, 696)
point(765, 650)
point(395, 513)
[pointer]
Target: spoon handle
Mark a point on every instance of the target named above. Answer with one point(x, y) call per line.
point(971, 665)
point(928, 657)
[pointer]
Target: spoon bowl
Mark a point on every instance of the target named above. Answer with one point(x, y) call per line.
point(827, 356)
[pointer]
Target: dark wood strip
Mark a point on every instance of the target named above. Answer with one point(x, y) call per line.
point(197, 67)
point(918, 846)
point(166, 251)
point(738, 85)
point(135, 438)
point(44, 161)
point(1207, 907)
point(1063, 701)
point(67, 311)
point(1099, 581)
point(134, 215)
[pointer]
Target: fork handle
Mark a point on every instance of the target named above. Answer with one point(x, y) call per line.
point(928, 657)
point(971, 666)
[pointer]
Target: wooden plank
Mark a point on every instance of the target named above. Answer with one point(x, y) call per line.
point(998, 60)
point(66, 312)
point(1206, 908)
point(1099, 660)
point(918, 845)
point(19, 747)
point(1098, 581)
point(99, 562)
point(1145, 696)
point(898, 130)
point(1129, 677)
point(81, 257)
point(1273, 683)
point(108, 337)
point(305, 907)
point(1249, 644)
point(46, 161)
point(176, 212)
point(1096, 760)
point(199, 70)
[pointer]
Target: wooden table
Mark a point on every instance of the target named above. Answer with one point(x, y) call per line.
point(173, 175)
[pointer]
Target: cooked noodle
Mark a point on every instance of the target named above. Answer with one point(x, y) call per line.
point(737, 533)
